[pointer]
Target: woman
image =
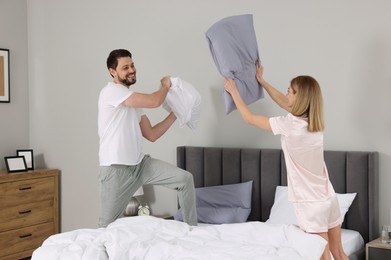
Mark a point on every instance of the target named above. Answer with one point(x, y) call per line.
point(309, 187)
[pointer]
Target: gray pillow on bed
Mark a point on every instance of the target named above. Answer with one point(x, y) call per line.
point(222, 204)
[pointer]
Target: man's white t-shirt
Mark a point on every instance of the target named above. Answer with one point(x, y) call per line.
point(120, 137)
point(308, 178)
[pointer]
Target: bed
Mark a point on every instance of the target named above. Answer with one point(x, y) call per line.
point(213, 168)
point(349, 171)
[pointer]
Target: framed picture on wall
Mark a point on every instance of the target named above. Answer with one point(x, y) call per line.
point(15, 163)
point(4, 76)
point(28, 157)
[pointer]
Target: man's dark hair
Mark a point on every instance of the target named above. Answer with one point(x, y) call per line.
point(112, 60)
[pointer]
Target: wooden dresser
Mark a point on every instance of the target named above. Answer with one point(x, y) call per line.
point(28, 211)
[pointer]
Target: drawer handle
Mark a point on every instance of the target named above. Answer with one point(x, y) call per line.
point(25, 188)
point(25, 212)
point(25, 235)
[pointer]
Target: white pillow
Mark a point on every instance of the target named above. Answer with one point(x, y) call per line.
point(344, 201)
point(283, 212)
point(185, 102)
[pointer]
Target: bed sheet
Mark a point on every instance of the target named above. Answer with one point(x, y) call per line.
point(147, 237)
point(352, 241)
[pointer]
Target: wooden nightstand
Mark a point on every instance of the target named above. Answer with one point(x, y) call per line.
point(376, 250)
point(28, 211)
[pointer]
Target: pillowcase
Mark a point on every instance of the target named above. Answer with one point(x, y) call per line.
point(282, 211)
point(345, 201)
point(234, 49)
point(222, 204)
point(184, 101)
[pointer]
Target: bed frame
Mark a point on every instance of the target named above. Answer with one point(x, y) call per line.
point(349, 171)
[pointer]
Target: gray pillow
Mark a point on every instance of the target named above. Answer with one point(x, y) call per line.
point(233, 45)
point(222, 204)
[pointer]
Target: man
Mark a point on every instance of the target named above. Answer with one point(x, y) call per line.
point(122, 124)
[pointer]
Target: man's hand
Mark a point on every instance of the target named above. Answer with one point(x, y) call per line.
point(166, 82)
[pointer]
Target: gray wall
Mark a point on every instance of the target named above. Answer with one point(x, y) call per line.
point(346, 45)
point(14, 116)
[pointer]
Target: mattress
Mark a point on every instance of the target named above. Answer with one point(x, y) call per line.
point(352, 241)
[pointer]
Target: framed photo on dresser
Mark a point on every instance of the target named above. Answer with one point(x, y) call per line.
point(28, 156)
point(15, 163)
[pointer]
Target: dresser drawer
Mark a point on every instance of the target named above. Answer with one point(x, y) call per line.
point(26, 215)
point(23, 239)
point(26, 191)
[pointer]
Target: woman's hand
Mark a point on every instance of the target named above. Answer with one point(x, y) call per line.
point(259, 71)
point(248, 117)
point(230, 85)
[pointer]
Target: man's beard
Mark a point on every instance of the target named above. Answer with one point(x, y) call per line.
point(127, 82)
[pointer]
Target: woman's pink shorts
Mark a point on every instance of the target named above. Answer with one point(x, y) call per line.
point(318, 216)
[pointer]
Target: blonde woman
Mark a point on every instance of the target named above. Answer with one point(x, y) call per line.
point(309, 187)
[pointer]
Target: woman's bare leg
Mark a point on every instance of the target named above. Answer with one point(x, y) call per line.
point(326, 253)
point(335, 243)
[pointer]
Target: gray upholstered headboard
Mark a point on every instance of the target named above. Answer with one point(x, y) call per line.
point(349, 171)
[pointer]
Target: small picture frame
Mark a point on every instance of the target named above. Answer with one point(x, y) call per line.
point(15, 163)
point(28, 157)
point(4, 76)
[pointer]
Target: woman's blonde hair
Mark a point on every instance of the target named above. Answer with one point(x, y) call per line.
point(309, 102)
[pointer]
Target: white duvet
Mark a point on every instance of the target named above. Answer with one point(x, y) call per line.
point(154, 238)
